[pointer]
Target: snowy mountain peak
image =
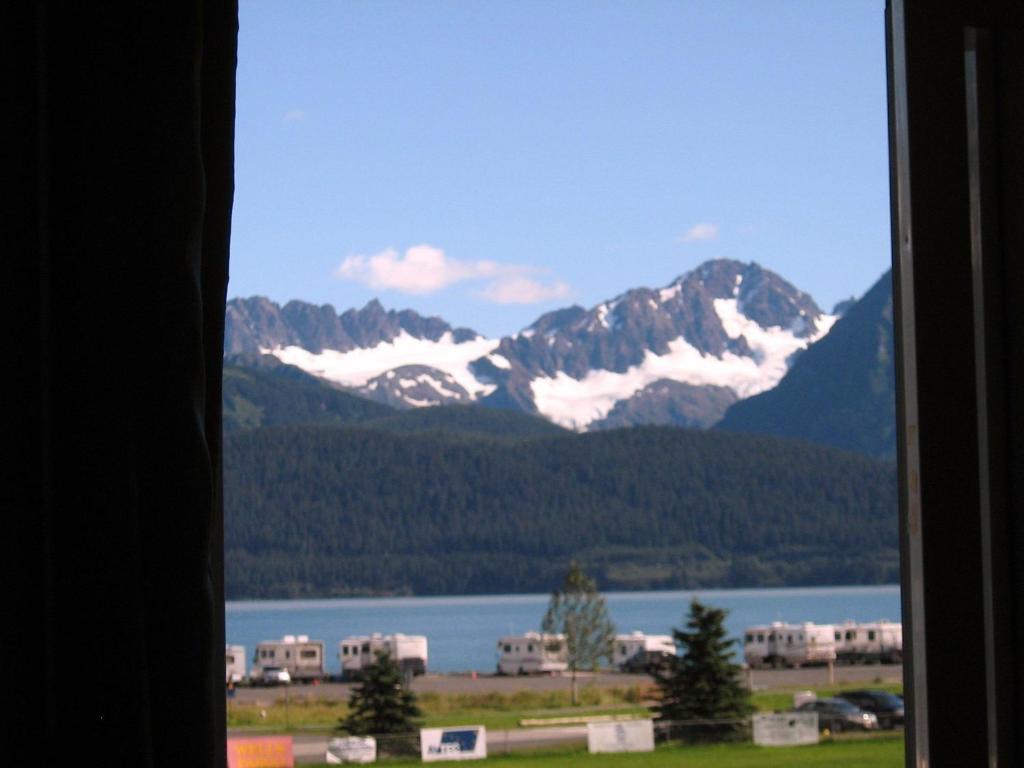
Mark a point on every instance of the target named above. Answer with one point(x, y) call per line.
point(727, 327)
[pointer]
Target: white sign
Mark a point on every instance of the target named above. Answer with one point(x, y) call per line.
point(466, 742)
point(621, 736)
point(352, 749)
point(786, 729)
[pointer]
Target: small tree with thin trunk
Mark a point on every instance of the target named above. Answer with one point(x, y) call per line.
point(382, 706)
point(703, 682)
point(578, 611)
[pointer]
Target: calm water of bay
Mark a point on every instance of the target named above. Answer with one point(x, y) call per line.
point(462, 632)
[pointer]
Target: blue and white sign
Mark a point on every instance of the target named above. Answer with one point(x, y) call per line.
point(466, 742)
point(786, 729)
point(621, 736)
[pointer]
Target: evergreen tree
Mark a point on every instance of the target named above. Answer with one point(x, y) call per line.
point(703, 682)
point(578, 611)
point(381, 705)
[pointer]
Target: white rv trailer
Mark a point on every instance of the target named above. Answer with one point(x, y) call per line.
point(790, 645)
point(234, 664)
point(301, 657)
point(637, 651)
point(532, 653)
point(358, 652)
point(874, 641)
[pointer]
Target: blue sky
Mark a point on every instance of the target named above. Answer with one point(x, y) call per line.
point(488, 161)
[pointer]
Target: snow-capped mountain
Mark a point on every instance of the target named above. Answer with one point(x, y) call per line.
point(842, 392)
point(681, 354)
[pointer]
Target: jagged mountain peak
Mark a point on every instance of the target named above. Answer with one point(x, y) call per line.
point(257, 324)
point(726, 324)
point(760, 294)
point(555, 320)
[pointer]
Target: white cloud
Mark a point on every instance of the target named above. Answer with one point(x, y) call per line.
point(699, 232)
point(294, 116)
point(421, 269)
point(517, 289)
point(425, 269)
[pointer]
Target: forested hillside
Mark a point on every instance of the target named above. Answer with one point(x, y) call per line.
point(328, 511)
point(262, 395)
point(265, 393)
point(841, 391)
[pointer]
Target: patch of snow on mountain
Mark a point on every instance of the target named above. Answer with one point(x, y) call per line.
point(825, 323)
point(575, 403)
point(499, 361)
point(772, 347)
point(439, 387)
point(669, 293)
point(357, 366)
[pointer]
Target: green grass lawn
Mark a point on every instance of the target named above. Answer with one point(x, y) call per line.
point(878, 752)
point(497, 711)
point(324, 717)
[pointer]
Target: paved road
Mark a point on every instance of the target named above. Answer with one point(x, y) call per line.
point(805, 677)
point(811, 677)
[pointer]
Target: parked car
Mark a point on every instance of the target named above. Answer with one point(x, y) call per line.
point(838, 715)
point(887, 707)
point(275, 676)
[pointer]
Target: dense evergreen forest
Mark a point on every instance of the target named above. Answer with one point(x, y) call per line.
point(329, 511)
point(262, 394)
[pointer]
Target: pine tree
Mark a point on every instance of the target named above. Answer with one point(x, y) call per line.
point(381, 705)
point(579, 612)
point(703, 682)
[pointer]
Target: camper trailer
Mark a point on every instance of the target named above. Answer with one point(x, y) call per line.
point(638, 652)
point(234, 664)
point(789, 645)
point(300, 657)
point(532, 653)
point(875, 641)
point(358, 652)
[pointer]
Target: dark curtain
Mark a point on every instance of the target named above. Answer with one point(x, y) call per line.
point(118, 171)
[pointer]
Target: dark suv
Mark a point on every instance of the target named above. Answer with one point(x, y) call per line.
point(837, 715)
point(888, 707)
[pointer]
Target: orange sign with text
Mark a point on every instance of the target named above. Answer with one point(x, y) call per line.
point(261, 752)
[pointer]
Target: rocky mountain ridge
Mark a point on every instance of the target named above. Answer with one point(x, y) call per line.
point(256, 324)
point(679, 355)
